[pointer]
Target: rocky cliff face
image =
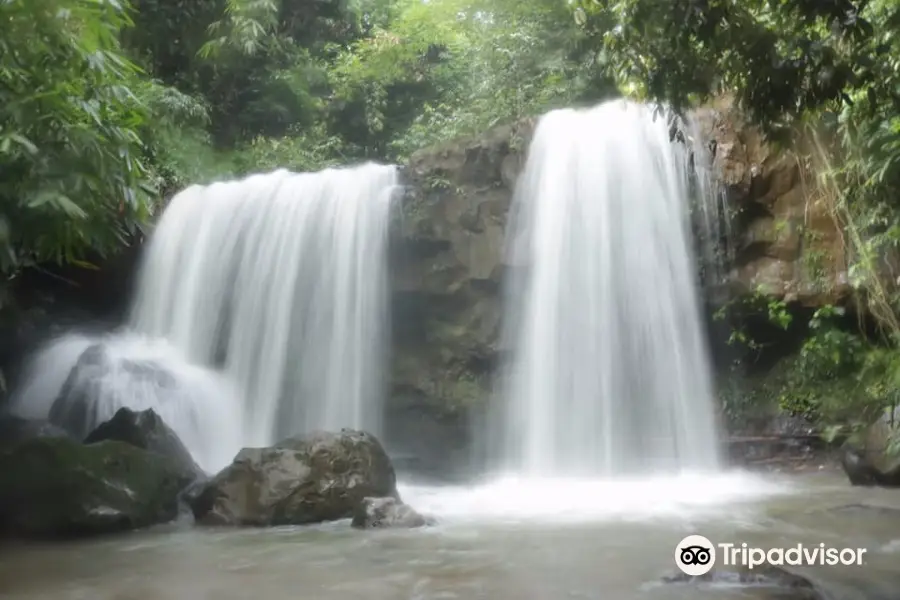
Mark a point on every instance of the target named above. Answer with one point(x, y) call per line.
point(447, 264)
point(785, 241)
point(447, 267)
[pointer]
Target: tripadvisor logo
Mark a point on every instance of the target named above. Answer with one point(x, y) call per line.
point(695, 555)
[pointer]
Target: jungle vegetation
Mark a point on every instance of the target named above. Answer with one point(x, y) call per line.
point(108, 106)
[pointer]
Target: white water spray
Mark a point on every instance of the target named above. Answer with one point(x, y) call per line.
point(278, 282)
point(139, 373)
point(609, 372)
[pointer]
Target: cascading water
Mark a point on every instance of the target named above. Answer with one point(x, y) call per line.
point(282, 278)
point(609, 371)
point(277, 281)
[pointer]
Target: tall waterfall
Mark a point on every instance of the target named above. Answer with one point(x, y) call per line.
point(609, 372)
point(278, 283)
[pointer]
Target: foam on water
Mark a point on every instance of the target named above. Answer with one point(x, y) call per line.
point(514, 498)
point(140, 373)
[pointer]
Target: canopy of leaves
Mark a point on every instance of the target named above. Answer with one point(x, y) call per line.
point(104, 107)
point(72, 177)
point(102, 103)
point(781, 58)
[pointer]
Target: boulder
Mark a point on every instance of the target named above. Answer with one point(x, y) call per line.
point(16, 429)
point(58, 487)
point(146, 430)
point(320, 477)
point(860, 471)
point(870, 460)
point(379, 513)
point(74, 409)
point(94, 383)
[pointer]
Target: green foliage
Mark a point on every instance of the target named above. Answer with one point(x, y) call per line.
point(780, 58)
point(739, 309)
point(830, 352)
point(98, 116)
point(861, 174)
point(72, 174)
point(504, 60)
point(838, 378)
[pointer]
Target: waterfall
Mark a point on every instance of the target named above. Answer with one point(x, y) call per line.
point(608, 372)
point(275, 286)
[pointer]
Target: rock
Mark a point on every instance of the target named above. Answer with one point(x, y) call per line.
point(860, 471)
point(320, 477)
point(447, 264)
point(74, 410)
point(146, 430)
point(785, 238)
point(778, 582)
point(190, 493)
point(378, 513)
point(58, 487)
point(16, 429)
point(78, 409)
point(870, 461)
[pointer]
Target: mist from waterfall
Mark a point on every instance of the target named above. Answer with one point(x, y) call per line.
point(276, 287)
point(608, 371)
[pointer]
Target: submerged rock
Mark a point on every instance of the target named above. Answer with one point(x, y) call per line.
point(780, 583)
point(320, 477)
point(146, 430)
point(377, 513)
point(16, 429)
point(58, 487)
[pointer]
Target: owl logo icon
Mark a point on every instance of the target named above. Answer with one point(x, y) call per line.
point(695, 555)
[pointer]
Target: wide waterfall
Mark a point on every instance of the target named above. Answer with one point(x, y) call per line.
point(609, 373)
point(264, 300)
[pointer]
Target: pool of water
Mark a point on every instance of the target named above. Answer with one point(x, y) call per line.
point(503, 540)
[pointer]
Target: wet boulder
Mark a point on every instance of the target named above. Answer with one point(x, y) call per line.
point(320, 477)
point(59, 487)
point(14, 430)
point(94, 383)
point(146, 430)
point(870, 460)
point(380, 513)
point(860, 472)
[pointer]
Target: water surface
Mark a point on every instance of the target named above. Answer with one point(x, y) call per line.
point(509, 540)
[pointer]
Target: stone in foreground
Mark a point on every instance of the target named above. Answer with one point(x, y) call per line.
point(380, 513)
point(58, 487)
point(320, 477)
point(870, 461)
point(146, 430)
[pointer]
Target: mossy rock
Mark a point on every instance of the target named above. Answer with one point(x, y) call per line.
point(319, 477)
point(148, 431)
point(14, 430)
point(58, 487)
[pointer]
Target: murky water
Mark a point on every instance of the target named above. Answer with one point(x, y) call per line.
point(505, 541)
